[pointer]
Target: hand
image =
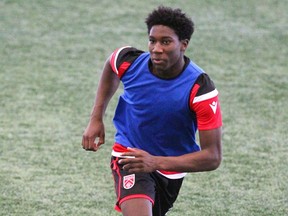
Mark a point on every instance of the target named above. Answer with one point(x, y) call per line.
point(138, 161)
point(93, 131)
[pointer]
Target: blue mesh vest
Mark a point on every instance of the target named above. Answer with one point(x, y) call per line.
point(153, 114)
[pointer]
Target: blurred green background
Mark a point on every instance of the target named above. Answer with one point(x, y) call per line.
point(51, 57)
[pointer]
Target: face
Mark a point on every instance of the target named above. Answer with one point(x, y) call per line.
point(166, 51)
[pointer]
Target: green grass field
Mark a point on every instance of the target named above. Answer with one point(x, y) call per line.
point(51, 56)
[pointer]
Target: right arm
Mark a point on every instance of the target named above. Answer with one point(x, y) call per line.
point(108, 85)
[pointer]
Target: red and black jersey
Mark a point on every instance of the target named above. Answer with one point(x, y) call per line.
point(204, 101)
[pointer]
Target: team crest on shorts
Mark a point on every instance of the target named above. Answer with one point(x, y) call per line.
point(129, 181)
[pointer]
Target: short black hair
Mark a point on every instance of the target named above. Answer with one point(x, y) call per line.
point(173, 18)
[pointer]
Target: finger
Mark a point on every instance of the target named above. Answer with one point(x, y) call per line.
point(132, 152)
point(133, 167)
point(131, 160)
point(88, 143)
point(101, 139)
point(123, 161)
point(91, 142)
point(132, 149)
point(93, 150)
point(97, 146)
point(84, 142)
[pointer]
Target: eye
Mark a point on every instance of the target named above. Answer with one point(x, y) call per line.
point(151, 41)
point(166, 42)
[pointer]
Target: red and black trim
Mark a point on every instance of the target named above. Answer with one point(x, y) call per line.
point(122, 58)
point(204, 102)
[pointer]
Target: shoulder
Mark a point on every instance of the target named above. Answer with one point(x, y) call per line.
point(122, 58)
point(204, 84)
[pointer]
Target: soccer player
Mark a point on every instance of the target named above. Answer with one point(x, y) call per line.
point(166, 99)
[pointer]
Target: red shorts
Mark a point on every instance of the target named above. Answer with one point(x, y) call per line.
point(161, 191)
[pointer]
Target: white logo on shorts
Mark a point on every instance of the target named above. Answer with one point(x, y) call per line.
point(128, 181)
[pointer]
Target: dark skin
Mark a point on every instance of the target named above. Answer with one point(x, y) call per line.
point(166, 52)
point(167, 57)
point(94, 134)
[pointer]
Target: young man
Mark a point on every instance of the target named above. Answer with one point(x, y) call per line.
point(166, 99)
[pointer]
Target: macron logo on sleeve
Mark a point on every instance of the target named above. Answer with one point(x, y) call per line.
point(208, 96)
point(213, 106)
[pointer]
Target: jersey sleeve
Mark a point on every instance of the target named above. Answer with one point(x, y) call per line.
point(204, 102)
point(122, 58)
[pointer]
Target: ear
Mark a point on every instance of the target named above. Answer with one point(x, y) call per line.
point(184, 43)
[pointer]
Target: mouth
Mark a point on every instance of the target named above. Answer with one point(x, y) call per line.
point(157, 61)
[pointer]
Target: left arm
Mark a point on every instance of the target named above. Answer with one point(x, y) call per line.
point(209, 158)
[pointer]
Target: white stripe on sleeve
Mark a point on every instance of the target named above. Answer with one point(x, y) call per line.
point(205, 96)
point(116, 57)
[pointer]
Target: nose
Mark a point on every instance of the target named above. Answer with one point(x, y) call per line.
point(157, 48)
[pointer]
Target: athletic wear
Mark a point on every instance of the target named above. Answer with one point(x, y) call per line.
point(159, 190)
point(160, 116)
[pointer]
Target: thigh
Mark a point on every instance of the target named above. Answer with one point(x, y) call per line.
point(139, 207)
